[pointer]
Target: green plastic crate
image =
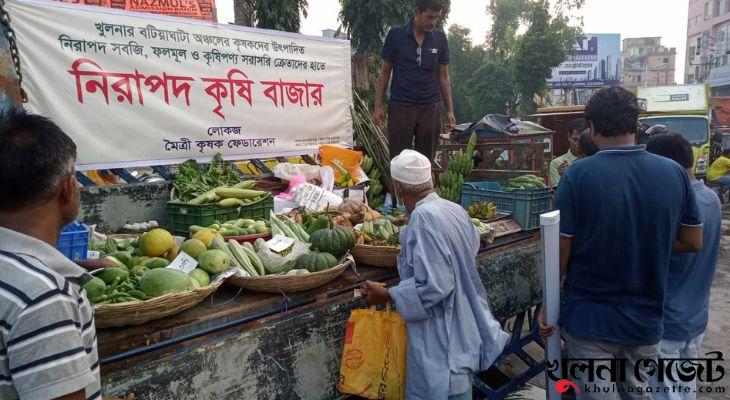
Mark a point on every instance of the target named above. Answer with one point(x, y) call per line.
point(525, 205)
point(259, 210)
point(181, 215)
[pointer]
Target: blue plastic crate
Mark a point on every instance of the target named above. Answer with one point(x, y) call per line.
point(74, 241)
point(525, 205)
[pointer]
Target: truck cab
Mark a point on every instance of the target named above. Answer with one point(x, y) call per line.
point(683, 109)
point(695, 128)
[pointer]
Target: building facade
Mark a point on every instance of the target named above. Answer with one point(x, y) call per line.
point(647, 63)
point(708, 47)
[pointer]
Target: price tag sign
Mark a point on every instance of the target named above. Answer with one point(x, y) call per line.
point(280, 243)
point(93, 255)
point(178, 240)
point(183, 262)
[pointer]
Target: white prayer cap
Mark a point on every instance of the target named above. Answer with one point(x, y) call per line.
point(410, 167)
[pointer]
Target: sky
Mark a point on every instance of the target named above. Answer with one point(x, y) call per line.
point(630, 18)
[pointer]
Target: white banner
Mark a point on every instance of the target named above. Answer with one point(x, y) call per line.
point(140, 89)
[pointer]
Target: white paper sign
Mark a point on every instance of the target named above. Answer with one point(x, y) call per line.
point(280, 243)
point(183, 262)
point(93, 255)
point(130, 88)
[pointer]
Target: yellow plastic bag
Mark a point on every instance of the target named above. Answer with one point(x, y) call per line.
point(374, 357)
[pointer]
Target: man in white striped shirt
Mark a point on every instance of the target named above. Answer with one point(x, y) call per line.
point(47, 336)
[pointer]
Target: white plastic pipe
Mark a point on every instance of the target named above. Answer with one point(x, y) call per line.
point(550, 230)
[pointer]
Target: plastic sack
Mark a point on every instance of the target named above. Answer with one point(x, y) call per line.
point(328, 178)
point(349, 160)
point(314, 198)
point(374, 356)
point(275, 263)
point(295, 181)
point(287, 171)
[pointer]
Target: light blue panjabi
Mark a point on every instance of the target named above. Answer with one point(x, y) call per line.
point(451, 332)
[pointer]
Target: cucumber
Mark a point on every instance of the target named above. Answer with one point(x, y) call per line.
point(245, 184)
point(230, 202)
point(240, 193)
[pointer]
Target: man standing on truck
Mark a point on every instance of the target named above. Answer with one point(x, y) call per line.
point(451, 333)
point(615, 257)
point(47, 334)
point(561, 163)
point(417, 55)
point(719, 173)
point(690, 274)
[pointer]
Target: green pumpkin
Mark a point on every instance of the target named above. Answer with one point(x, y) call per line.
point(316, 261)
point(336, 241)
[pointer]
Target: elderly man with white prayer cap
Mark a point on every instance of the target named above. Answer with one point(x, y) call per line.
point(451, 333)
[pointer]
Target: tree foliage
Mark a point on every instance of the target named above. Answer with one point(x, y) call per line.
point(465, 60)
point(368, 21)
point(516, 65)
point(281, 15)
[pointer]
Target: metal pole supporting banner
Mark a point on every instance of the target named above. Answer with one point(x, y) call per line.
point(550, 230)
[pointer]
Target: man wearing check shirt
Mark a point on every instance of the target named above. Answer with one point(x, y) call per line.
point(417, 55)
point(47, 336)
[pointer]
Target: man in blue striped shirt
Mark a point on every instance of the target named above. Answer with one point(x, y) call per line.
point(47, 336)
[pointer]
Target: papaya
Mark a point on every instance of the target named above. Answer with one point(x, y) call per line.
point(160, 281)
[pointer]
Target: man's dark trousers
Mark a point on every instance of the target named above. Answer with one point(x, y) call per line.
point(406, 122)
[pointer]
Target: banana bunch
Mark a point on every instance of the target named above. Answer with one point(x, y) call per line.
point(380, 229)
point(449, 193)
point(482, 210)
point(367, 164)
point(375, 196)
point(451, 179)
point(461, 164)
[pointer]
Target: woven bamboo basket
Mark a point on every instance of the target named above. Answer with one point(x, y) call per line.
point(376, 256)
point(290, 283)
point(139, 312)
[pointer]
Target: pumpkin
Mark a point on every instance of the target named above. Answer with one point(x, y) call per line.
point(351, 206)
point(316, 261)
point(336, 241)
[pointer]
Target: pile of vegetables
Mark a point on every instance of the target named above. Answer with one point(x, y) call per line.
point(458, 170)
point(527, 181)
point(288, 227)
point(238, 227)
point(380, 232)
point(481, 226)
point(140, 273)
point(237, 195)
point(193, 180)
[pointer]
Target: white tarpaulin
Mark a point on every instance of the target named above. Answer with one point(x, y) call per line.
point(139, 89)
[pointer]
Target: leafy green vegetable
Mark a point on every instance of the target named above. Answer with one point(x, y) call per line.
point(193, 180)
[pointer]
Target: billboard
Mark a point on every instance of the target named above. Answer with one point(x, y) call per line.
point(595, 62)
point(197, 9)
point(136, 89)
point(675, 98)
